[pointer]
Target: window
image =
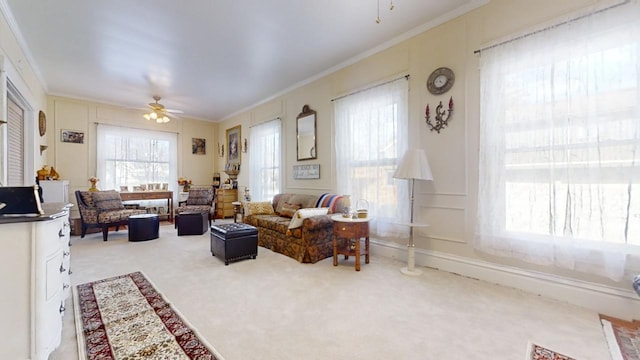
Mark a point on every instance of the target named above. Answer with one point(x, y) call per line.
point(371, 133)
point(560, 145)
point(133, 157)
point(265, 155)
point(15, 149)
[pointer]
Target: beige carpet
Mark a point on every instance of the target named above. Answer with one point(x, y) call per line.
point(276, 308)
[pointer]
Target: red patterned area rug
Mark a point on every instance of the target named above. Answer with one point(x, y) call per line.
point(125, 317)
point(623, 338)
point(537, 352)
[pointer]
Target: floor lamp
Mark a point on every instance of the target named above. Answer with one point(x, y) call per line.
point(413, 166)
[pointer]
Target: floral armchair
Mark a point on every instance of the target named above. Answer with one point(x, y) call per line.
point(102, 209)
point(200, 200)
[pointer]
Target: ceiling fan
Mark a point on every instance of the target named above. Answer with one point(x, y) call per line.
point(159, 112)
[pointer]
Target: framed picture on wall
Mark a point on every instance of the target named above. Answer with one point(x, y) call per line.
point(198, 146)
point(71, 136)
point(233, 144)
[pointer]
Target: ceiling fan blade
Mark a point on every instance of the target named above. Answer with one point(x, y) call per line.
point(174, 111)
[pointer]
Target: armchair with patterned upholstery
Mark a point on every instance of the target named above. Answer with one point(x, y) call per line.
point(102, 209)
point(200, 200)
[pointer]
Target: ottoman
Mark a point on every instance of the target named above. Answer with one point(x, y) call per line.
point(234, 241)
point(143, 227)
point(192, 223)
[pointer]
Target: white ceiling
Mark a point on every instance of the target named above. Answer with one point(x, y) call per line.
point(208, 58)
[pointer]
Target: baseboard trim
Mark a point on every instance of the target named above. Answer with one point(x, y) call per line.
point(616, 302)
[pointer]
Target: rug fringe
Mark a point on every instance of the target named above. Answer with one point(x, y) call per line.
point(82, 346)
point(612, 343)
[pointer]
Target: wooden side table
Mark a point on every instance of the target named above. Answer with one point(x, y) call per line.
point(353, 230)
point(237, 211)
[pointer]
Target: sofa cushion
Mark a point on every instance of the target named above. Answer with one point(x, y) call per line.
point(114, 216)
point(301, 214)
point(288, 210)
point(107, 200)
point(258, 208)
point(272, 222)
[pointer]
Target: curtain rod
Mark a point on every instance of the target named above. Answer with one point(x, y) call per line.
point(551, 27)
point(266, 121)
point(137, 128)
point(371, 87)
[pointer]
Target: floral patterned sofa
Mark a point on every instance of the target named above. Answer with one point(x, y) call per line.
point(103, 209)
point(295, 225)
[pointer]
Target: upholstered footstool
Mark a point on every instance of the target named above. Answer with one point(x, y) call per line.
point(192, 223)
point(235, 241)
point(143, 227)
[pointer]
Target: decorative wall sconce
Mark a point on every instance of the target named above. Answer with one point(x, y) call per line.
point(442, 116)
point(220, 150)
point(245, 148)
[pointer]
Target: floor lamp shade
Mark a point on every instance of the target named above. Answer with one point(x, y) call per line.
point(414, 165)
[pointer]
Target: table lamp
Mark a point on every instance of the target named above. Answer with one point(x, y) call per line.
point(413, 166)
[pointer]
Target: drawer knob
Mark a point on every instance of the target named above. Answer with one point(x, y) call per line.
point(344, 229)
point(66, 253)
point(60, 234)
point(70, 272)
point(62, 269)
point(62, 309)
point(65, 286)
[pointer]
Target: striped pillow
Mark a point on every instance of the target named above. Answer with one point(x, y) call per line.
point(330, 201)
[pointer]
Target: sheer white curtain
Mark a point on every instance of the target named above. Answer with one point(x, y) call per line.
point(559, 171)
point(371, 137)
point(265, 154)
point(132, 157)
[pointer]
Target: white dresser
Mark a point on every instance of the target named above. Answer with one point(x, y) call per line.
point(35, 278)
point(55, 191)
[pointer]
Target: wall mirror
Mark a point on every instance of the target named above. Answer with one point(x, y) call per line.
point(306, 134)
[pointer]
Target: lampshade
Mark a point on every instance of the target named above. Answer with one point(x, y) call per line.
point(414, 165)
point(158, 117)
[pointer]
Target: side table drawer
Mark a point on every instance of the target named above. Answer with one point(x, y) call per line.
point(343, 230)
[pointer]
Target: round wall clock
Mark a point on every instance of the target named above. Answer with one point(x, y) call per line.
point(440, 81)
point(42, 123)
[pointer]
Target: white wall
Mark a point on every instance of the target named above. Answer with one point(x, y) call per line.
point(448, 203)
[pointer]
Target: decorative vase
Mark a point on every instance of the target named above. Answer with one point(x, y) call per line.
point(93, 185)
point(186, 187)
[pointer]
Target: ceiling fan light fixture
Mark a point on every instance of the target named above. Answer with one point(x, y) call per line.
point(157, 112)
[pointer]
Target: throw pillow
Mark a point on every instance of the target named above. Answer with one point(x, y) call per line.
point(200, 197)
point(258, 208)
point(288, 210)
point(301, 214)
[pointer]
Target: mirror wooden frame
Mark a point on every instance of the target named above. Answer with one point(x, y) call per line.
point(306, 143)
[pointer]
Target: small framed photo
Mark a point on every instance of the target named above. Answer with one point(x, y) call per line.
point(198, 146)
point(72, 136)
point(233, 144)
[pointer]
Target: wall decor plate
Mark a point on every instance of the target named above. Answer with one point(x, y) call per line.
point(42, 123)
